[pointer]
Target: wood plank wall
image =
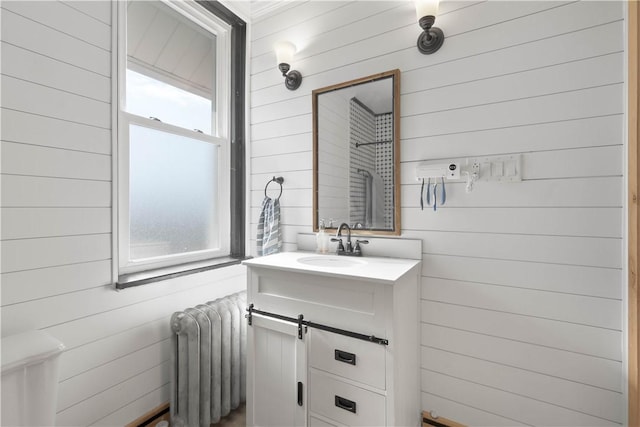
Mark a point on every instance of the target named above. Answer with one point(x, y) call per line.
point(56, 218)
point(522, 284)
point(634, 214)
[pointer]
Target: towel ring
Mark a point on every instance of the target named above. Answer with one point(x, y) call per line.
point(279, 180)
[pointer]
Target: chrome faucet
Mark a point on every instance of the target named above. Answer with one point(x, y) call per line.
point(349, 250)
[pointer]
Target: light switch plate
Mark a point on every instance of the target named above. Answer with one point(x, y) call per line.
point(500, 168)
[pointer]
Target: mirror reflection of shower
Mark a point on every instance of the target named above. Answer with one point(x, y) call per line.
point(356, 141)
point(371, 167)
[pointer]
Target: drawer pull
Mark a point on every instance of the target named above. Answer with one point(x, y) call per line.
point(344, 357)
point(346, 404)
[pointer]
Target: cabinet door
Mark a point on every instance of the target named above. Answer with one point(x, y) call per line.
point(276, 374)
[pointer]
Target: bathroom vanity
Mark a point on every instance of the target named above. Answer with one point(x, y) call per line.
point(333, 340)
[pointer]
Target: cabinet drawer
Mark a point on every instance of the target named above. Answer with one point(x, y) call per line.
point(347, 357)
point(344, 402)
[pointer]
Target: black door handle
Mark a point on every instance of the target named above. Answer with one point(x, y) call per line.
point(299, 393)
point(345, 357)
point(346, 404)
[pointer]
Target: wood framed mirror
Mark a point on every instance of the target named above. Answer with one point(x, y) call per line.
point(356, 155)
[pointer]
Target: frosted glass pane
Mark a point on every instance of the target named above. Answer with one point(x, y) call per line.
point(172, 194)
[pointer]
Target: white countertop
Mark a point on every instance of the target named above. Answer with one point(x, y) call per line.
point(377, 269)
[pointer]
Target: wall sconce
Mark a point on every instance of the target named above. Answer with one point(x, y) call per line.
point(432, 37)
point(284, 55)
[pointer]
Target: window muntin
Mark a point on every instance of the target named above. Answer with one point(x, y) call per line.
point(189, 143)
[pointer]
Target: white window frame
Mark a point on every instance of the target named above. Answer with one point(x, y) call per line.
point(121, 245)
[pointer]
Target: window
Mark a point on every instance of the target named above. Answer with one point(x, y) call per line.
point(174, 143)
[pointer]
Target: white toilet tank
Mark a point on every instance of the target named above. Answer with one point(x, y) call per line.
point(29, 379)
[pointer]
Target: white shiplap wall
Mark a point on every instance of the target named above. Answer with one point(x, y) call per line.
point(522, 285)
point(56, 218)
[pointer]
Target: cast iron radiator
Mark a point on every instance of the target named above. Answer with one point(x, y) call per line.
point(209, 368)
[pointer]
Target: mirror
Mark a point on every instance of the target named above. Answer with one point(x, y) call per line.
point(356, 155)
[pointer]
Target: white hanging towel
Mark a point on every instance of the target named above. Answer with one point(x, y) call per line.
point(269, 235)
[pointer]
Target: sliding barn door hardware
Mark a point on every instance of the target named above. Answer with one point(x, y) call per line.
point(308, 324)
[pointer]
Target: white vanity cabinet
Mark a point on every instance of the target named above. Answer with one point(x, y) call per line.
point(318, 370)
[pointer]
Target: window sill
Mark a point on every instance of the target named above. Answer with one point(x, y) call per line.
point(166, 273)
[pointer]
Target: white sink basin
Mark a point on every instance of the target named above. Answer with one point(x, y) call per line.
point(376, 269)
point(330, 261)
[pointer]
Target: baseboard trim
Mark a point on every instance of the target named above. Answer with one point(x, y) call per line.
point(151, 418)
point(430, 421)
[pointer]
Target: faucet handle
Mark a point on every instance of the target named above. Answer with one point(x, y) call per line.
point(340, 245)
point(357, 250)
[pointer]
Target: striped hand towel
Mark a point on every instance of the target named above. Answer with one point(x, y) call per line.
point(269, 235)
